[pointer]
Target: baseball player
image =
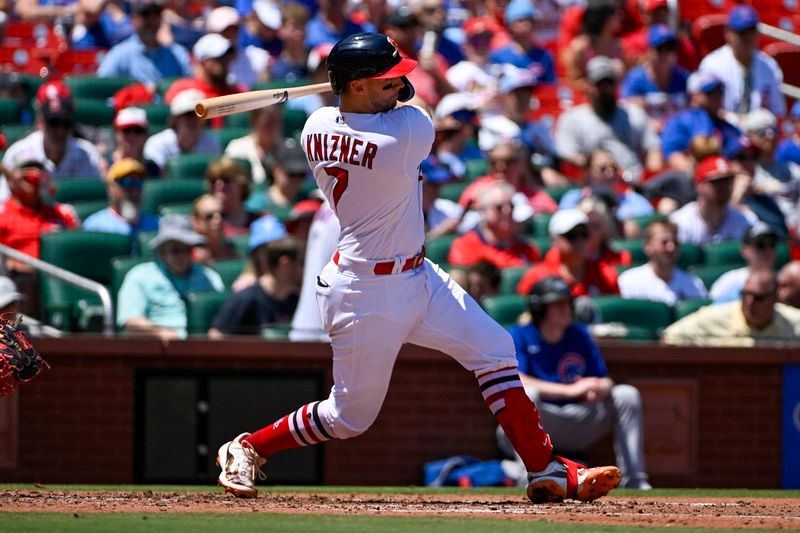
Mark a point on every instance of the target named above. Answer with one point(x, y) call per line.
point(379, 291)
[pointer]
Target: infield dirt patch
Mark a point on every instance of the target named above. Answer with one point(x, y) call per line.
point(757, 513)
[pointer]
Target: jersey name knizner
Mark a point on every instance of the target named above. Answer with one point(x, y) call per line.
point(342, 148)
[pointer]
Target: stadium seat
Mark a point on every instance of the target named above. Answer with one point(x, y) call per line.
point(119, 268)
point(510, 279)
point(687, 307)
point(189, 166)
point(69, 190)
point(293, 122)
point(634, 246)
point(691, 254)
point(452, 191)
point(157, 114)
point(725, 252)
point(708, 32)
point(541, 223)
point(169, 191)
point(32, 33)
point(226, 135)
point(9, 111)
point(281, 83)
point(96, 88)
point(229, 269)
point(93, 112)
point(84, 209)
point(237, 120)
point(542, 244)
point(645, 314)
point(644, 220)
point(476, 168)
point(276, 332)
point(79, 62)
point(505, 309)
point(709, 273)
point(201, 308)
point(242, 243)
point(143, 239)
point(556, 193)
point(788, 58)
point(36, 61)
point(15, 132)
point(690, 10)
point(438, 249)
point(87, 254)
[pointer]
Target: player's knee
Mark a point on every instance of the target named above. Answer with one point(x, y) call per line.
point(347, 429)
point(626, 396)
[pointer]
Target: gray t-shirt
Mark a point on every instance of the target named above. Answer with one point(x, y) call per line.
point(627, 136)
point(163, 146)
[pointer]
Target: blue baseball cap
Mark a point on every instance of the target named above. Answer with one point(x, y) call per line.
point(520, 9)
point(264, 230)
point(702, 82)
point(660, 34)
point(742, 17)
point(795, 111)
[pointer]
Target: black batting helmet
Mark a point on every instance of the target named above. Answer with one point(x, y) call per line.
point(547, 290)
point(368, 56)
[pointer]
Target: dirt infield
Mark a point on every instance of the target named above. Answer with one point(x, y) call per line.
point(760, 513)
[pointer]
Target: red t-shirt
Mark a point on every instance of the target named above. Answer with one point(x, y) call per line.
point(471, 248)
point(599, 277)
point(21, 226)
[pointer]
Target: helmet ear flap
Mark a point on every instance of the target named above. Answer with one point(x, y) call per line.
point(335, 83)
point(407, 92)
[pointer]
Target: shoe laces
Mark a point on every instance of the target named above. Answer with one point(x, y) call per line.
point(251, 462)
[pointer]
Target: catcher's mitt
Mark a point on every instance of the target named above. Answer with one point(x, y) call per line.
point(19, 360)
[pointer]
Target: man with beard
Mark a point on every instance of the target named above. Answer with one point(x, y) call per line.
point(124, 182)
point(620, 128)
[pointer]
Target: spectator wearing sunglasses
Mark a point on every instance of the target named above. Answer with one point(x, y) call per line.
point(130, 133)
point(569, 258)
point(756, 318)
point(208, 219)
point(759, 251)
point(124, 182)
point(227, 180)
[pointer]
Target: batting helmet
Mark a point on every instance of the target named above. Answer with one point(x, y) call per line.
point(547, 290)
point(368, 56)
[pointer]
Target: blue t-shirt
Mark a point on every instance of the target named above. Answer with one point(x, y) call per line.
point(131, 58)
point(657, 103)
point(683, 125)
point(788, 151)
point(450, 51)
point(318, 32)
point(631, 204)
point(575, 356)
point(537, 60)
point(105, 34)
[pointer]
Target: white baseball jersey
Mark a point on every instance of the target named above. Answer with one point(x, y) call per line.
point(367, 165)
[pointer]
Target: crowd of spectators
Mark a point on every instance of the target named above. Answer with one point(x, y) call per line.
point(598, 122)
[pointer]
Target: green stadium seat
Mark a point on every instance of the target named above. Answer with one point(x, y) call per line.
point(510, 279)
point(170, 191)
point(85, 209)
point(229, 269)
point(687, 307)
point(189, 166)
point(69, 190)
point(178, 208)
point(634, 246)
point(542, 244)
point(157, 115)
point(242, 243)
point(505, 309)
point(645, 314)
point(9, 111)
point(438, 249)
point(93, 112)
point(201, 308)
point(119, 268)
point(541, 223)
point(724, 253)
point(783, 254)
point(293, 122)
point(237, 120)
point(87, 254)
point(452, 191)
point(143, 239)
point(710, 273)
point(15, 132)
point(226, 135)
point(164, 84)
point(556, 193)
point(476, 168)
point(276, 332)
point(94, 87)
point(691, 254)
point(644, 220)
point(281, 83)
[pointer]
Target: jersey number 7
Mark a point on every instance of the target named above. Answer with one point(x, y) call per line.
point(341, 176)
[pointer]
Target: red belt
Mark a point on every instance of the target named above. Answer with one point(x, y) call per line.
point(387, 267)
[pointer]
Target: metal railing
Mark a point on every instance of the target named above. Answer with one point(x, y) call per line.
point(71, 278)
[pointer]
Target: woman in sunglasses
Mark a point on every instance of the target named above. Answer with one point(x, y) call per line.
point(208, 219)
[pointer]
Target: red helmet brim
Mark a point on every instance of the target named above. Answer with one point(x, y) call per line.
point(405, 66)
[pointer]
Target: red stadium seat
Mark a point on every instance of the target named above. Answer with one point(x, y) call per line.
point(32, 33)
point(691, 10)
point(708, 32)
point(788, 57)
point(36, 61)
point(79, 61)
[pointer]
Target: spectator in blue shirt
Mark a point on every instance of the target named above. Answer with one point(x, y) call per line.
point(103, 24)
point(522, 51)
point(261, 28)
point(141, 56)
point(433, 16)
point(658, 85)
point(564, 374)
point(703, 119)
point(124, 182)
point(330, 24)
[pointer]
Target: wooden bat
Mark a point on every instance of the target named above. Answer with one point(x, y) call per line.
point(239, 103)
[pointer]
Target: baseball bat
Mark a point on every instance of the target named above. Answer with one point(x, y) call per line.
point(239, 103)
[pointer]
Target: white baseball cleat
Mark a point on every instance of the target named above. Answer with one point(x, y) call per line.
point(564, 479)
point(240, 466)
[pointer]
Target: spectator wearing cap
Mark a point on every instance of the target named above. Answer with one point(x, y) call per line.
point(130, 133)
point(598, 37)
point(300, 218)
point(752, 78)
point(568, 258)
point(330, 24)
point(603, 227)
point(272, 299)
point(456, 121)
point(658, 84)
point(208, 219)
point(10, 297)
point(660, 279)
point(227, 181)
point(433, 15)
point(288, 171)
point(292, 63)
point(757, 318)
point(101, 24)
point(141, 56)
point(249, 67)
point(703, 119)
point(186, 132)
point(621, 128)
point(711, 218)
point(789, 284)
point(259, 145)
point(152, 298)
point(759, 251)
point(496, 240)
point(214, 55)
point(124, 181)
point(523, 51)
point(475, 73)
point(261, 26)
point(635, 45)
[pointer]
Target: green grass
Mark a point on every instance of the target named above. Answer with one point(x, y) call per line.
point(124, 522)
